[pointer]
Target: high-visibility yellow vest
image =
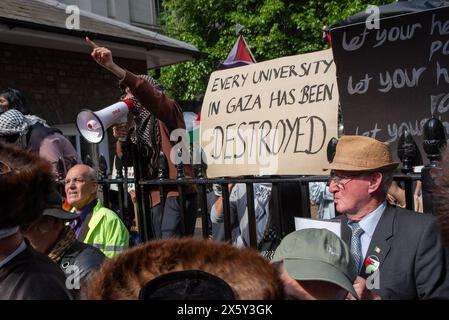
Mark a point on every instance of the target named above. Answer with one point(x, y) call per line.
point(106, 231)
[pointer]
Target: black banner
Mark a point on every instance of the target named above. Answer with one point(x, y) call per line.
point(394, 76)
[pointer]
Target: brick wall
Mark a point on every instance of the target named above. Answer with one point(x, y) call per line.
point(60, 83)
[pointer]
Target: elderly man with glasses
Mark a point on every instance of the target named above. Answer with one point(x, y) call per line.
point(397, 251)
point(95, 224)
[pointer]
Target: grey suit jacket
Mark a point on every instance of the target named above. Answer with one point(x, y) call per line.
point(413, 262)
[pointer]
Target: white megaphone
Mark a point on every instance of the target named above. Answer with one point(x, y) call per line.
point(93, 125)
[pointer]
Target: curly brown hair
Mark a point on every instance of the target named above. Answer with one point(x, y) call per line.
point(249, 274)
point(25, 183)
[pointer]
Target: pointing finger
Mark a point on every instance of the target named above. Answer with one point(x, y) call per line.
point(91, 43)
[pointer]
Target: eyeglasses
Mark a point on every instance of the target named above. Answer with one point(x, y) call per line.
point(4, 168)
point(75, 180)
point(341, 181)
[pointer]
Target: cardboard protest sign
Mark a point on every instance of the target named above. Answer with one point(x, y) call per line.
point(270, 118)
point(394, 78)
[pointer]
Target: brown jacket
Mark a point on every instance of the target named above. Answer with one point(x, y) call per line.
point(170, 117)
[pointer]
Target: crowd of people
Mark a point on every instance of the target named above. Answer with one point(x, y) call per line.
point(46, 252)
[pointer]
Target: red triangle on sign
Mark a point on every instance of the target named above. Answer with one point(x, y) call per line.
point(240, 55)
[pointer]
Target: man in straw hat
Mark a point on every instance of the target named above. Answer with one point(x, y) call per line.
point(397, 251)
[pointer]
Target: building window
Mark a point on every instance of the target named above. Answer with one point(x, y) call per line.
point(159, 8)
point(142, 12)
point(112, 10)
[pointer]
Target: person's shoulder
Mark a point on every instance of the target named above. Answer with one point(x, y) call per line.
point(411, 222)
point(31, 260)
point(85, 254)
point(409, 216)
point(37, 266)
point(109, 219)
point(106, 213)
point(79, 248)
point(338, 218)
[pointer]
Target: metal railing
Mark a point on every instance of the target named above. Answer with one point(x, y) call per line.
point(289, 195)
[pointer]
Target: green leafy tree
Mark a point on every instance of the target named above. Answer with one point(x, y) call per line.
point(272, 29)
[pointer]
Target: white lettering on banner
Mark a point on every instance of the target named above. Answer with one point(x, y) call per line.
point(361, 87)
point(441, 71)
point(356, 42)
point(394, 78)
point(274, 117)
point(400, 78)
point(396, 33)
point(439, 103)
point(439, 46)
point(439, 106)
point(439, 27)
point(393, 34)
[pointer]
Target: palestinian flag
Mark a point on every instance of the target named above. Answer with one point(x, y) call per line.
point(240, 55)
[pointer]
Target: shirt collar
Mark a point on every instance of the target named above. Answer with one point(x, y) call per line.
point(87, 209)
point(369, 222)
point(16, 252)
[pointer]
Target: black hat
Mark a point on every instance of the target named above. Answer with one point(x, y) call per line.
point(187, 285)
point(54, 208)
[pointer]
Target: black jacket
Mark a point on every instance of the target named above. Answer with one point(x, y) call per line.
point(32, 276)
point(413, 262)
point(85, 258)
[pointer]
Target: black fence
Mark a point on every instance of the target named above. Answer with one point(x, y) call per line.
point(289, 194)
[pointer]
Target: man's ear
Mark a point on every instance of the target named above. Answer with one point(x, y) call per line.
point(375, 182)
point(95, 188)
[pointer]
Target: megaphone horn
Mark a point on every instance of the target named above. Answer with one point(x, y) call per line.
point(92, 125)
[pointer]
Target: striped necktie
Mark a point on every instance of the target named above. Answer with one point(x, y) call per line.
point(356, 244)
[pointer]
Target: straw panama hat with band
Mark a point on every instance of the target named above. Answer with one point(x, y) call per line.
point(317, 254)
point(360, 153)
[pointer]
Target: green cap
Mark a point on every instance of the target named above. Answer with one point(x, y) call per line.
point(317, 254)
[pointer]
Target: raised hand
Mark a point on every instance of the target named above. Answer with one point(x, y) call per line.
point(120, 131)
point(103, 56)
point(363, 292)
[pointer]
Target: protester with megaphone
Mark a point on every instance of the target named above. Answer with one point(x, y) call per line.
point(154, 116)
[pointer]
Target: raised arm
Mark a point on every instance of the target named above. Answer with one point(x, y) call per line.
point(103, 56)
point(162, 106)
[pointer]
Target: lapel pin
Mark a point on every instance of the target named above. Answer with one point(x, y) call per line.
point(372, 263)
point(377, 250)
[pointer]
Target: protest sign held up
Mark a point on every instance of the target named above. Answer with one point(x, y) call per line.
point(395, 77)
point(274, 117)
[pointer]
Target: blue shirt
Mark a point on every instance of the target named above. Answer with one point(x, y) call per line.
point(369, 224)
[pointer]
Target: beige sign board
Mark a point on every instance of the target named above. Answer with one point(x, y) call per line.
point(271, 118)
